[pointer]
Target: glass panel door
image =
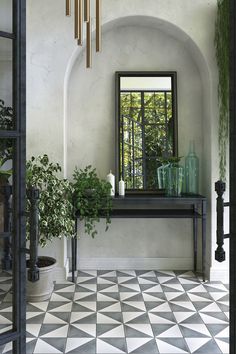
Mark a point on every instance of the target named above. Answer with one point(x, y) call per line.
point(12, 177)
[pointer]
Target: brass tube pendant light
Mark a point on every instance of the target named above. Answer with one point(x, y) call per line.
point(82, 14)
point(68, 7)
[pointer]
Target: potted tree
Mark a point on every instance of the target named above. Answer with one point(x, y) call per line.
point(55, 217)
point(91, 198)
point(6, 145)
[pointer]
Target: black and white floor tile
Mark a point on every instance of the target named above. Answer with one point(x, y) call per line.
point(138, 312)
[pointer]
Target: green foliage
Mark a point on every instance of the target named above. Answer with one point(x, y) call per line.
point(6, 145)
point(173, 160)
point(91, 196)
point(148, 134)
point(222, 57)
point(56, 213)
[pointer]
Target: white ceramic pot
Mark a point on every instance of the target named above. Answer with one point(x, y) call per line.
point(42, 289)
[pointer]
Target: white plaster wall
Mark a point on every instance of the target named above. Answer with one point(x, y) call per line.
point(52, 53)
point(91, 128)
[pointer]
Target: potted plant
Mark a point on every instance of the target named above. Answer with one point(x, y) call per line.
point(56, 217)
point(91, 198)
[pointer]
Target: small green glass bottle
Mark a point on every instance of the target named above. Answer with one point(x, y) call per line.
point(192, 171)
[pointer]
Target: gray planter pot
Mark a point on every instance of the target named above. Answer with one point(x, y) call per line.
point(42, 289)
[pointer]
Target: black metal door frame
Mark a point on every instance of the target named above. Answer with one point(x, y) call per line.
point(18, 36)
point(232, 177)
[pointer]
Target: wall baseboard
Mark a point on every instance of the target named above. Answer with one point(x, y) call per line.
point(136, 263)
point(219, 275)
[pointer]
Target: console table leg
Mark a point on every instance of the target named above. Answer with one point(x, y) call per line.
point(203, 239)
point(195, 234)
point(74, 253)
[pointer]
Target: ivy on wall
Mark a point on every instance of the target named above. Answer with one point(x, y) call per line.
point(222, 57)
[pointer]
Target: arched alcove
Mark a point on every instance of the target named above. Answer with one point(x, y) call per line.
point(136, 43)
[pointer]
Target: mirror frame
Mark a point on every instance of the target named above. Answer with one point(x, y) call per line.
point(118, 75)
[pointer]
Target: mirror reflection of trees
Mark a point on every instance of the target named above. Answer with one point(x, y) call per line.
point(146, 135)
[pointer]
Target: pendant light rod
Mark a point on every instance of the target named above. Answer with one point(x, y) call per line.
point(86, 10)
point(68, 7)
point(88, 45)
point(98, 26)
point(80, 39)
point(76, 19)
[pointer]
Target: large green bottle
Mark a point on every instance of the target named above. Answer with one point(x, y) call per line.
point(192, 171)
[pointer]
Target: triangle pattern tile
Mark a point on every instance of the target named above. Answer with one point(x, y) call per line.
point(105, 298)
point(151, 289)
point(168, 346)
point(87, 273)
point(60, 332)
point(86, 288)
point(215, 329)
point(195, 343)
point(42, 347)
point(172, 332)
point(104, 288)
point(205, 297)
point(218, 287)
point(58, 298)
point(138, 305)
point(224, 333)
point(80, 345)
point(81, 280)
point(77, 330)
point(195, 330)
point(172, 287)
point(65, 289)
point(83, 317)
point(121, 273)
point(59, 307)
point(209, 347)
point(111, 346)
point(217, 296)
point(213, 307)
point(176, 296)
point(153, 297)
point(54, 319)
point(105, 281)
point(85, 296)
point(33, 329)
point(130, 316)
point(144, 273)
point(224, 346)
point(187, 281)
point(161, 319)
point(183, 316)
point(131, 296)
point(163, 279)
point(160, 273)
point(195, 289)
point(110, 331)
point(150, 281)
point(110, 307)
point(163, 307)
point(136, 343)
point(217, 318)
point(129, 287)
point(126, 279)
point(109, 318)
point(140, 319)
point(105, 273)
point(182, 305)
point(138, 330)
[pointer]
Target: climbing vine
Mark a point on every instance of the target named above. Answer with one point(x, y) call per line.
point(222, 57)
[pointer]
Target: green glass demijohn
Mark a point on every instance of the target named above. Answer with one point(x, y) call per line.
point(192, 170)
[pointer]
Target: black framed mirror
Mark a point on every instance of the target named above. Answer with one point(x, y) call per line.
point(146, 126)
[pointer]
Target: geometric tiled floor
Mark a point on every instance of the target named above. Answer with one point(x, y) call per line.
point(139, 312)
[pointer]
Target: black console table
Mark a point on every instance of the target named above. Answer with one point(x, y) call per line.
point(157, 206)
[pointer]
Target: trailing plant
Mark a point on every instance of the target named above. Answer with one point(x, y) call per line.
point(222, 57)
point(6, 145)
point(56, 213)
point(91, 197)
